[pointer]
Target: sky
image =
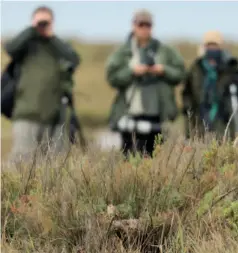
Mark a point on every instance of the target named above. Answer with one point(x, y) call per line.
point(111, 21)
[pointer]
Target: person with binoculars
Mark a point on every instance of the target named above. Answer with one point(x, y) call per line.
point(210, 95)
point(144, 71)
point(42, 59)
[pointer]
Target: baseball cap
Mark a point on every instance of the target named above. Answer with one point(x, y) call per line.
point(143, 15)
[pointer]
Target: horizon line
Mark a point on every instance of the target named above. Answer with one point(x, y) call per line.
point(120, 40)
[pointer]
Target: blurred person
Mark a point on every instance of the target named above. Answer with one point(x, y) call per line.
point(42, 65)
point(145, 72)
point(210, 92)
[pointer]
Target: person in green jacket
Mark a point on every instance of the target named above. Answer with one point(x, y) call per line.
point(43, 60)
point(144, 71)
point(208, 91)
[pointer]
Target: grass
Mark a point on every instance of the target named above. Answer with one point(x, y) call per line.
point(184, 200)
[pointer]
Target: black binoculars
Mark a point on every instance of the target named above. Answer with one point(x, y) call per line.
point(43, 24)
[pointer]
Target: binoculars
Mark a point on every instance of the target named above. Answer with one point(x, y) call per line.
point(43, 24)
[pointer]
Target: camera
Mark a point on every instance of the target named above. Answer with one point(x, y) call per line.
point(43, 24)
point(150, 61)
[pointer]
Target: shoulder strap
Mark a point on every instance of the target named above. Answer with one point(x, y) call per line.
point(128, 102)
point(134, 52)
point(155, 45)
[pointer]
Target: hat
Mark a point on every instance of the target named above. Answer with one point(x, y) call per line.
point(143, 16)
point(213, 37)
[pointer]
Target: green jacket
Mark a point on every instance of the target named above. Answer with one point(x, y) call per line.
point(44, 63)
point(193, 94)
point(154, 97)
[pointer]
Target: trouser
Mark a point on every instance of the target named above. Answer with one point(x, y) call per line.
point(28, 136)
point(196, 127)
point(137, 142)
point(141, 143)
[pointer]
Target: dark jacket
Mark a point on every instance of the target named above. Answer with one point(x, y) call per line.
point(42, 62)
point(193, 94)
point(9, 81)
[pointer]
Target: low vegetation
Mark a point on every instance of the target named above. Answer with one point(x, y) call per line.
point(182, 200)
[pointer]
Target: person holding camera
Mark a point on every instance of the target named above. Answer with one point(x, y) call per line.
point(144, 71)
point(42, 59)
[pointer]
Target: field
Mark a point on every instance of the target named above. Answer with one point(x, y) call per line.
point(93, 95)
point(183, 200)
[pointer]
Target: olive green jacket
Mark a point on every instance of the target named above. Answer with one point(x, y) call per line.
point(157, 95)
point(43, 75)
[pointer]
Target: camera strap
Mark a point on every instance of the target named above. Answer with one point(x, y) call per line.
point(153, 48)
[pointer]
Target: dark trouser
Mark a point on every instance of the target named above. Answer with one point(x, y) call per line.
point(138, 142)
point(194, 127)
point(142, 143)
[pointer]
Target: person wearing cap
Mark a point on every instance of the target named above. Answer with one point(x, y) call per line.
point(210, 89)
point(144, 71)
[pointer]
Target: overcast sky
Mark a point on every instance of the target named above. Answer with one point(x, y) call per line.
point(112, 20)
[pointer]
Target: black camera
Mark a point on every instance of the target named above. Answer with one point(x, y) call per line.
point(150, 61)
point(43, 24)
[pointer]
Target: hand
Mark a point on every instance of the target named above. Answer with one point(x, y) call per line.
point(36, 19)
point(45, 31)
point(48, 31)
point(140, 69)
point(157, 69)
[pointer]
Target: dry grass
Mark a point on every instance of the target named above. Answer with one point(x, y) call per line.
point(182, 200)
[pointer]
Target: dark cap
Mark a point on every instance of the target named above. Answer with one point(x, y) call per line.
point(143, 16)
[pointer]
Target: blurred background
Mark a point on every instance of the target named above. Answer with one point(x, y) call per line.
point(95, 29)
